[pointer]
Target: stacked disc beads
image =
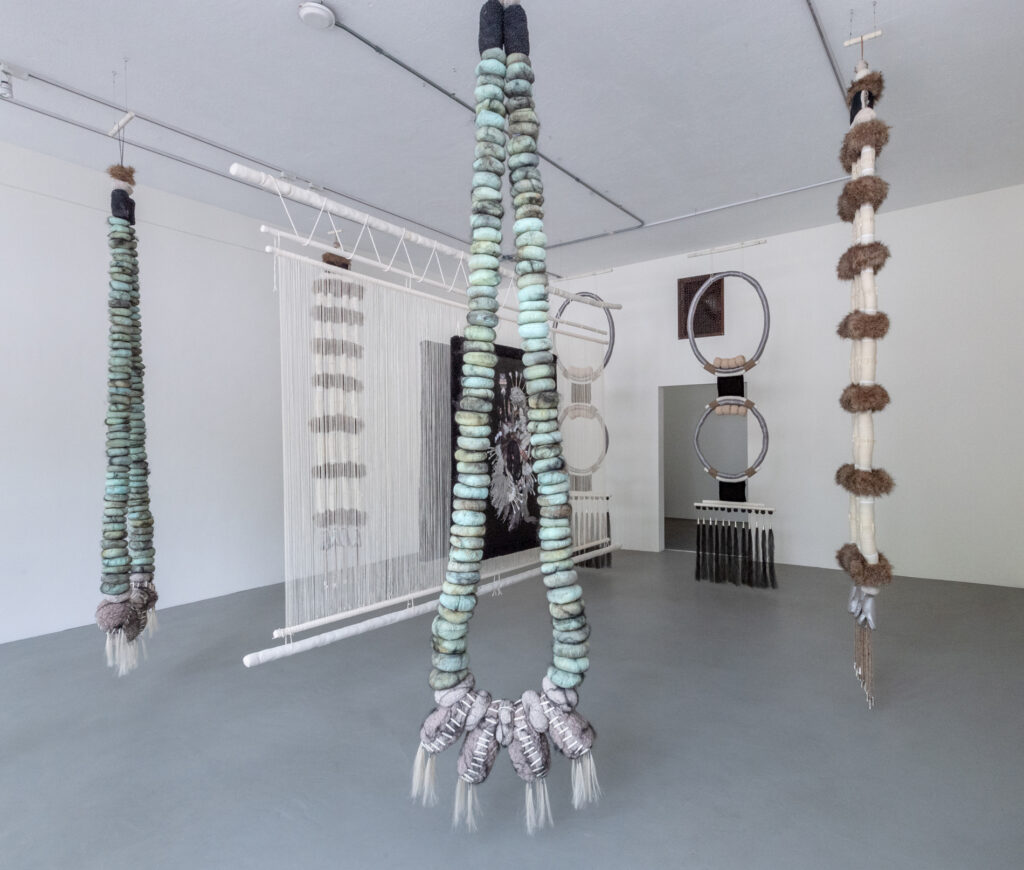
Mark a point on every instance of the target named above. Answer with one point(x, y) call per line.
point(564, 594)
point(127, 533)
point(472, 485)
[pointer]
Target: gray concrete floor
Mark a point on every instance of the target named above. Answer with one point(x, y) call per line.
point(732, 734)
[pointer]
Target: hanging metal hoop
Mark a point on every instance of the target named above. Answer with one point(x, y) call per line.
point(589, 375)
point(724, 475)
point(749, 364)
point(577, 411)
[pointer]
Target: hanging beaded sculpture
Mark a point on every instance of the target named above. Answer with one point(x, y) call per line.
point(864, 326)
point(528, 725)
point(129, 595)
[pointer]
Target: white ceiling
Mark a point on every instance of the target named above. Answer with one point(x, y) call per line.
point(669, 107)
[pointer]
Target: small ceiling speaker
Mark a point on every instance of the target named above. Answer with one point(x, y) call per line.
point(316, 15)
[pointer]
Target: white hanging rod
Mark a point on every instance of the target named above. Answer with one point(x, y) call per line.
point(291, 630)
point(857, 40)
point(308, 197)
point(419, 279)
point(721, 249)
point(433, 297)
point(294, 648)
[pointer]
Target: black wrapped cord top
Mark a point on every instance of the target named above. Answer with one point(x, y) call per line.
point(491, 31)
point(517, 31)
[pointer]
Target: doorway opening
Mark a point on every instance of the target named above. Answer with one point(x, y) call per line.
point(685, 481)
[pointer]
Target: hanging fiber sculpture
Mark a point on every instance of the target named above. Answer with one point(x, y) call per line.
point(735, 538)
point(864, 326)
point(129, 596)
point(528, 725)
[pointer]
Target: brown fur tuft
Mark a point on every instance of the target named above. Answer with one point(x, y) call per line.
point(857, 325)
point(336, 260)
point(867, 188)
point(122, 173)
point(857, 399)
point(874, 133)
point(857, 258)
point(860, 571)
point(845, 555)
point(874, 482)
point(873, 82)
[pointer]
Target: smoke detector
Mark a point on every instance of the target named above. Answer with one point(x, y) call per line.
point(7, 72)
point(316, 15)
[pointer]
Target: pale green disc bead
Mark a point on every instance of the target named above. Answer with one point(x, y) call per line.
point(548, 477)
point(487, 179)
point(533, 239)
point(458, 555)
point(488, 92)
point(490, 67)
point(540, 371)
point(555, 555)
point(532, 317)
point(481, 358)
point(532, 252)
point(534, 305)
point(534, 330)
point(552, 534)
point(532, 292)
point(563, 679)
point(573, 666)
point(539, 439)
point(570, 650)
point(458, 602)
point(483, 261)
point(475, 431)
point(484, 278)
point(480, 333)
point(565, 594)
point(460, 490)
point(540, 385)
point(486, 234)
point(527, 225)
point(449, 663)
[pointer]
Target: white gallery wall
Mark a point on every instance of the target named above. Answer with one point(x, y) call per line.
point(210, 342)
point(952, 362)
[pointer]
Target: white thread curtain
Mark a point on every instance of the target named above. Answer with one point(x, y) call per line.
point(366, 421)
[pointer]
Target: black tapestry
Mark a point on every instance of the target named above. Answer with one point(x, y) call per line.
point(512, 510)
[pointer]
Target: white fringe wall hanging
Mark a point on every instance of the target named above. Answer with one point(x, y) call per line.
point(530, 724)
point(735, 538)
point(126, 547)
point(864, 326)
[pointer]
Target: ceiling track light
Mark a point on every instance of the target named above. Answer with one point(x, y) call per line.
point(316, 15)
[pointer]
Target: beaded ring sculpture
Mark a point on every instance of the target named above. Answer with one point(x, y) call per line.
point(528, 725)
point(864, 326)
point(735, 538)
point(129, 596)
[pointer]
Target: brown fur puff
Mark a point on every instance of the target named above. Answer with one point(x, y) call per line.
point(875, 482)
point(873, 82)
point(857, 258)
point(857, 324)
point(122, 173)
point(874, 133)
point(864, 574)
point(857, 399)
point(336, 260)
point(845, 555)
point(867, 188)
